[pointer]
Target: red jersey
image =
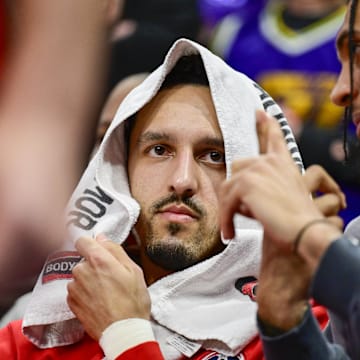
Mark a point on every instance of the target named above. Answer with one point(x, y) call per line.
point(15, 346)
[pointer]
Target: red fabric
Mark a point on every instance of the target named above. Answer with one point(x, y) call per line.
point(14, 345)
point(320, 313)
point(148, 350)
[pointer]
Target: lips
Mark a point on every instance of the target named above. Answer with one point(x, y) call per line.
point(178, 213)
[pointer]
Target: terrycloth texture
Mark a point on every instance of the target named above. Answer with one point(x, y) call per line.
point(200, 302)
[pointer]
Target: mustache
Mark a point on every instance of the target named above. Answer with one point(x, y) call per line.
point(174, 198)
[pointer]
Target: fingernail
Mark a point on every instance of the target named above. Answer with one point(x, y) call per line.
point(101, 238)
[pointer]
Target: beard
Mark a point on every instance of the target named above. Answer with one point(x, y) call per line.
point(180, 247)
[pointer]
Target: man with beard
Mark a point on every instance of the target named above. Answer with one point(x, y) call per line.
point(158, 172)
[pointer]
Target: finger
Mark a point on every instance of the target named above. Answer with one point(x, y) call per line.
point(227, 227)
point(76, 306)
point(84, 245)
point(317, 179)
point(272, 138)
point(82, 272)
point(275, 139)
point(71, 301)
point(261, 130)
point(337, 221)
point(227, 220)
point(226, 213)
point(101, 237)
point(76, 291)
point(71, 288)
point(316, 176)
point(231, 203)
point(116, 250)
point(328, 204)
point(241, 164)
point(94, 253)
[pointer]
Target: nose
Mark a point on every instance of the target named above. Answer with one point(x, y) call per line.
point(340, 94)
point(184, 174)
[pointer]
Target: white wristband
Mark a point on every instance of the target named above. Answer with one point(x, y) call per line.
point(123, 335)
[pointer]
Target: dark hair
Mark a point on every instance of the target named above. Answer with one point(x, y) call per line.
point(189, 69)
point(351, 49)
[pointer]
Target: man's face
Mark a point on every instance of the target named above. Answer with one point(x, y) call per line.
point(341, 92)
point(175, 165)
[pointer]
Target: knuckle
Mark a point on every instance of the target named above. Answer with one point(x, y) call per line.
point(81, 270)
point(137, 270)
point(69, 300)
point(337, 221)
point(136, 267)
point(76, 271)
point(70, 287)
point(94, 257)
point(271, 160)
point(79, 242)
point(316, 169)
point(109, 246)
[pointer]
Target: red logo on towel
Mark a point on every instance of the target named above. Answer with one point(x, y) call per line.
point(247, 286)
point(60, 265)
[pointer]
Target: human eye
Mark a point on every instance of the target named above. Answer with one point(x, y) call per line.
point(213, 157)
point(157, 151)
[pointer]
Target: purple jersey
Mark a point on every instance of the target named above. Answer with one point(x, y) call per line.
point(212, 11)
point(298, 68)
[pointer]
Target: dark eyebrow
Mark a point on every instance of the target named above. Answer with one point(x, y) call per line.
point(212, 141)
point(151, 136)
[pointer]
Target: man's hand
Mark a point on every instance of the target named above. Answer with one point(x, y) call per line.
point(285, 278)
point(271, 189)
point(108, 286)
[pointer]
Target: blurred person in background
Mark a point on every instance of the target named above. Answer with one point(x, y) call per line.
point(149, 27)
point(54, 62)
point(288, 48)
point(115, 97)
point(106, 116)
